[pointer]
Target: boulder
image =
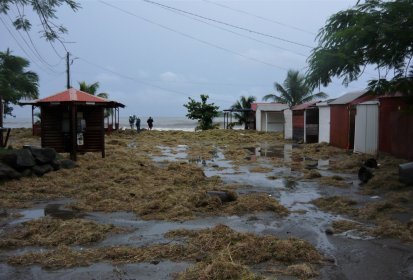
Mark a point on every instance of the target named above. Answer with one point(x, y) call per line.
point(6, 172)
point(19, 159)
point(67, 164)
point(40, 170)
point(224, 196)
point(55, 164)
point(365, 174)
point(43, 155)
point(406, 173)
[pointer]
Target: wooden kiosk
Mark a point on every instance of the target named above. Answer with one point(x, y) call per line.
point(72, 121)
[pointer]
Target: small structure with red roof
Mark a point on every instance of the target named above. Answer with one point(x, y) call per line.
point(73, 121)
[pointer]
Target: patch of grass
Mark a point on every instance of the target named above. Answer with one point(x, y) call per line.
point(221, 253)
point(53, 232)
point(394, 229)
point(336, 204)
point(260, 169)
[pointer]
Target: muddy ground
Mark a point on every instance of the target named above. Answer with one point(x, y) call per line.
point(149, 210)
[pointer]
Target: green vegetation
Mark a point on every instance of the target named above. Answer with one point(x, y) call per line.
point(16, 81)
point(244, 103)
point(202, 111)
point(376, 33)
point(294, 90)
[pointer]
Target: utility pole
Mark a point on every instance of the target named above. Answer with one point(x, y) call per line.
point(68, 70)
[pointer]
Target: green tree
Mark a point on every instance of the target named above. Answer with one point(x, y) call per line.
point(202, 111)
point(16, 82)
point(377, 33)
point(294, 90)
point(92, 89)
point(46, 11)
point(244, 103)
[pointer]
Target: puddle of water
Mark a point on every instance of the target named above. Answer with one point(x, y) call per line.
point(142, 271)
point(55, 209)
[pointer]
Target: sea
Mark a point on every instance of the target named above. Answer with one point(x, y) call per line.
point(160, 123)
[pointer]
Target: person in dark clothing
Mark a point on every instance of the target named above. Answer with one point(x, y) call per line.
point(150, 123)
point(131, 121)
point(138, 124)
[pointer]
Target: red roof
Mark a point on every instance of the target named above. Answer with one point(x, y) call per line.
point(75, 95)
point(72, 94)
point(304, 105)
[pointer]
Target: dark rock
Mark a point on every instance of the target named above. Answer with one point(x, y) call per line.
point(329, 231)
point(27, 172)
point(155, 262)
point(19, 159)
point(406, 173)
point(40, 170)
point(43, 155)
point(224, 196)
point(67, 164)
point(3, 213)
point(365, 174)
point(55, 164)
point(6, 172)
point(371, 163)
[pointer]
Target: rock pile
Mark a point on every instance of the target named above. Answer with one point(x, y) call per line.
point(29, 161)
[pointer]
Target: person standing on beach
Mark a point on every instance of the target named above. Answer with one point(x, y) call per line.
point(138, 124)
point(131, 121)
point(150, 123)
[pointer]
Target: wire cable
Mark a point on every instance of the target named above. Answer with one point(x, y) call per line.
point(236, 33)
point(229, 24)
point(140, 81)
point(260, 17)
point(192, 37)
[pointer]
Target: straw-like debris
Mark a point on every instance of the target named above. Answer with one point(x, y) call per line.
point(54, 232)
point(219, 252)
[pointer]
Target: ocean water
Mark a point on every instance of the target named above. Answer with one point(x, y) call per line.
point(160, 123)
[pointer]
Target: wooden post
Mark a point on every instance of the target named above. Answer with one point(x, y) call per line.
point(73, 134)
point(32, 120)
point(103, 132)
point(1, 120)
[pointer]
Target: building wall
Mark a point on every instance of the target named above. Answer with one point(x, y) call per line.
point(395, 128)
point(366, 134)
point(339, 126)
point(298, 125)
point(288, 125)
point(324, 124)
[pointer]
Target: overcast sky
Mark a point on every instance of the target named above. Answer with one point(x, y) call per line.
point(152, 59)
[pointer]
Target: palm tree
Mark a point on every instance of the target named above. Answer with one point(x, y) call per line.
point(15, 82)
point(294, 90)
point(92, 89)
point(244, 103)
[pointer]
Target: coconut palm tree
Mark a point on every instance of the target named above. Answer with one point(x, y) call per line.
point(294, 90)
point(92, 89)
point(244, 103)
point(15, 82)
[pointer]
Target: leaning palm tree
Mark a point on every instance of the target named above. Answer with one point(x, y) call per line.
point(294, 90)
point(15, 82)
point(243, 104)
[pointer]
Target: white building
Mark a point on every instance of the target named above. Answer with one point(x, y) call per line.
point(269, 117)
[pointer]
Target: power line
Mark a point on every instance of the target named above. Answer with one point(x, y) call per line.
point(260, 17)
point(140, 81)
point(23, 49)
point(236, 33)
point(192, 37)
point(229, 24)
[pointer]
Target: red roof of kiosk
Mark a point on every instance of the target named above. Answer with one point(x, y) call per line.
point(72, 94)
